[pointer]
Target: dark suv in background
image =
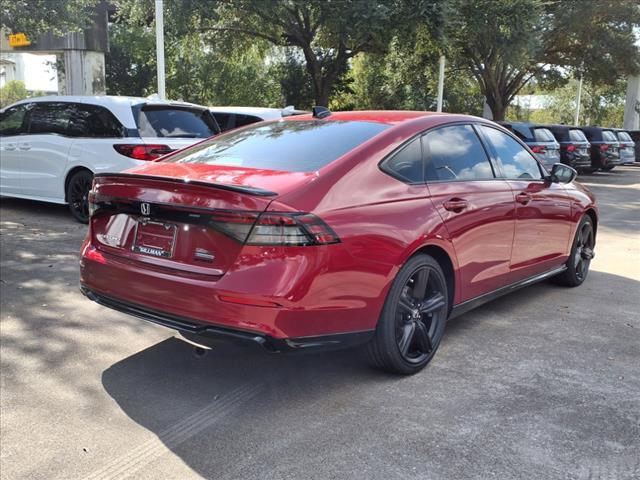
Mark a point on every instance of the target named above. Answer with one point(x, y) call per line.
point(574, 146)
point(539, 139)
point(605, 149)
point(627, 146)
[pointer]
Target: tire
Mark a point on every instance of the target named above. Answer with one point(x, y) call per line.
point(413, 318)
point(608, 168)
point(589, 170)
point(580, 256)
point(77, 192)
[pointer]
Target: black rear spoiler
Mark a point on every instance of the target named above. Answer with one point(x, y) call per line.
point(258, 192)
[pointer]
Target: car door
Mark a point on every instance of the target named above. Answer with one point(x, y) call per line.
point(45, 151)
point(12, 132)
point(477, 208)
point(543, 209)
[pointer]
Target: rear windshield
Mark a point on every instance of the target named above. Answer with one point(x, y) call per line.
point(543, 135)
point(609, 136)
point(577, 136)
point(174, 122)
point(624, 137)
point(294, 146)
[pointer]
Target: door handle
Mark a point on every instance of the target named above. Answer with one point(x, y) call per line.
point(24, 146)
point(10, 146)
point(523, 198)
point(455, 205)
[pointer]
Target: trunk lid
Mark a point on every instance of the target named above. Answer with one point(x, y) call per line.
point(191, 219)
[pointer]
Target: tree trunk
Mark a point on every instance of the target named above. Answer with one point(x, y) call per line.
point(497, 106)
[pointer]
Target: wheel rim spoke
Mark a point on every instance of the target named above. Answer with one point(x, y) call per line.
point(423, 339)
point(405, 303)
point(432, 304)
point(421, 281)
point(408, 331)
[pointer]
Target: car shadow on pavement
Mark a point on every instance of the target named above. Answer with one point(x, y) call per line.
point(208, 410)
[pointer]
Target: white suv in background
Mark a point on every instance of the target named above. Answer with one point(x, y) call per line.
point(235, 117)
point(50, 147)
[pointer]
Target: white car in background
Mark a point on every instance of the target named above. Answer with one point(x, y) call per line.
point(234, 117)
point(50, 147)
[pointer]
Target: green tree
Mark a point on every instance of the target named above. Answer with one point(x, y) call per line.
point(506, 43)
point(35, 17)
point(11, 92)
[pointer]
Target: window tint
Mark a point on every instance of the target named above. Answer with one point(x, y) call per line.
point(543, 135)
point(47, 118)
point(293, 146)
point(407, 163)
point(12, 120)
point(609, 136)
point(522, 131)
point(94, 121)
point(455, 153)
point(577, 136)
point(515, 161)
point(227, 121)
point(175, 122)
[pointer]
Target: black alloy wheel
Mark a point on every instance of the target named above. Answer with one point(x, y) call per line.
point(581, 254)
point(78, 195)
point(413, 319)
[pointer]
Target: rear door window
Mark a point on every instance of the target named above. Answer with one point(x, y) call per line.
point(95, 122)
point(50, 118)
point(543, 135)
point(515, 162)
point(173, 122)
point(12, 121)
point(227, 121)
point(577, 136)
point(406, 164)
point(293, 146)
point(455, 153)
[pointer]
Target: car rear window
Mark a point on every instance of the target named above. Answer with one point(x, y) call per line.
point(172, 122)
point(577, 136)
point(543, 135)
point(609, 136)
point(294, 146)
point(624, 137)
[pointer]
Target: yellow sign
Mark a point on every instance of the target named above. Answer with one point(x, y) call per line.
point(19, 40)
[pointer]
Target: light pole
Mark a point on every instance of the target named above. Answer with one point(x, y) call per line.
point(160, 47)
point(440, 83)
point(576, 120)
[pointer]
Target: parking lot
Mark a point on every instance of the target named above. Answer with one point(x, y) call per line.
point(543, 383)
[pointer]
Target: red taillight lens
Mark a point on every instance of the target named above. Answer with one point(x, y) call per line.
point(604, 147)
point(538, 149)
point(291, 229)
point(142, 152)
point(571, 148)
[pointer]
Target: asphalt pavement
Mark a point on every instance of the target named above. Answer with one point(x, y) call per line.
point(543, 383)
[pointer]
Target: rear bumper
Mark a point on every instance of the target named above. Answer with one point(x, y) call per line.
point(205, 334)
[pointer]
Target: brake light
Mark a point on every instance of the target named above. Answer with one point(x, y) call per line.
point(291, 229)
point(571, 148)
point(604, 147)
point(142, 152)
point(538, 149)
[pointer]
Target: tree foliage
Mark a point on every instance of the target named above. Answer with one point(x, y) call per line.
point(507, 43)
point(11, 92)
point(35, 17)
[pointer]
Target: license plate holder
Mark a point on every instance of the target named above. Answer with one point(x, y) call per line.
point(156, 239)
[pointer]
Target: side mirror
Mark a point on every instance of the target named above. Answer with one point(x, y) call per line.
point(561, 173)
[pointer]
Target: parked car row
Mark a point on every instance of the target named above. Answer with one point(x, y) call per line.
point(587, 149)
point(51, 147)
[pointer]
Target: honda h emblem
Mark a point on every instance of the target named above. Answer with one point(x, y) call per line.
point(145, 208)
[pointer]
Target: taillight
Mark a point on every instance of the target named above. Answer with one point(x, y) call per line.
point(604, 147)
point(571, 148)
point(142, 152)
point(290, 229)
point(538, 149)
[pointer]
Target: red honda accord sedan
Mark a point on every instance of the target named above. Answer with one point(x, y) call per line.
point(334, 229)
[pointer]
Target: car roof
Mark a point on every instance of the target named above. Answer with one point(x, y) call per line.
point(390, 117)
